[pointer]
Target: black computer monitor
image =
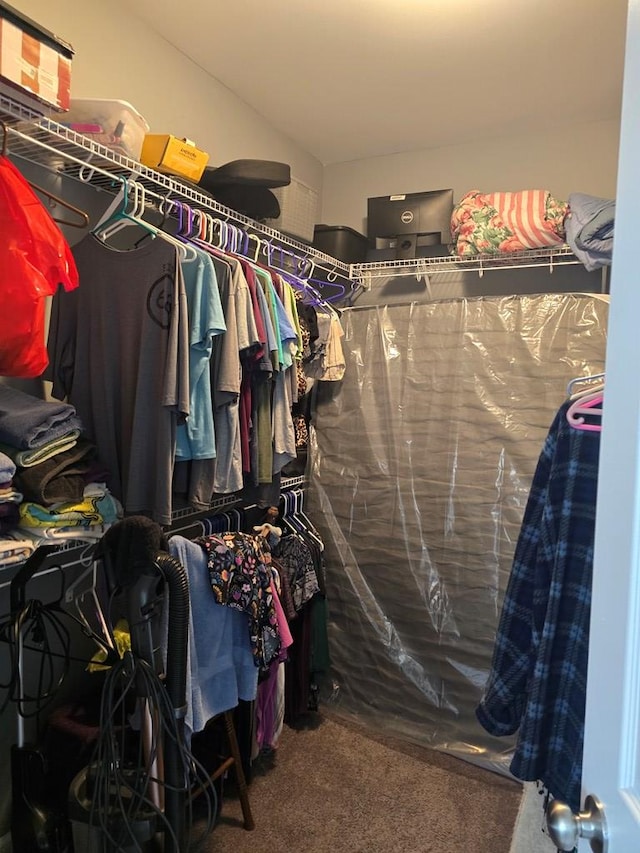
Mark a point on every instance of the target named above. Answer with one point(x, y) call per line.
point(408, 221)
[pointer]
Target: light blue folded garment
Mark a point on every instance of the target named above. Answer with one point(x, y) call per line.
point(589, 229)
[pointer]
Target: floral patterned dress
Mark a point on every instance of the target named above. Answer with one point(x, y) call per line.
point(240, 575)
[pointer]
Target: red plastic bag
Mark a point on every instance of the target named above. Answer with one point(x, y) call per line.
point(34, 259)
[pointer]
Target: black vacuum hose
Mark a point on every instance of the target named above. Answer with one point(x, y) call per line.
point(175, 576)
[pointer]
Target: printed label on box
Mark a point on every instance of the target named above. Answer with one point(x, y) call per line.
point(34, 67)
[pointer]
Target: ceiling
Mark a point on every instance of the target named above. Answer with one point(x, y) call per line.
point(350, 79)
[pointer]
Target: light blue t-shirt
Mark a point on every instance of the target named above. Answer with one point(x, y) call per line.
point(288, 334)
point(195, 439)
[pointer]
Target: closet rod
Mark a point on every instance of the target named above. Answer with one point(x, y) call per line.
point(94, 160)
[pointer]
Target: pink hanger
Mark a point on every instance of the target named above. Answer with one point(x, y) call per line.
point(589, 405)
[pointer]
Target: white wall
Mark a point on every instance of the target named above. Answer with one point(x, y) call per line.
point(117, 56)
point(578, 158)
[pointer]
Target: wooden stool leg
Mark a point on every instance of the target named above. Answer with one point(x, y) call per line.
point(237, 763)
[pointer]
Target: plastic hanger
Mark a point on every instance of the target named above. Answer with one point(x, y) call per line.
point(122, 217)
point(74, 593)
point(585, 413)
point(186, 251)
point(311, 530)
point(84, 217)
point(245, 247)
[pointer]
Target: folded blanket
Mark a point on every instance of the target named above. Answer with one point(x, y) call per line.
point(27, 422)
point(93, 533)
point(98, 506)
point(493, 223)
point(589, 225)
point(15, 548)
point(62, 477)
point(27, 458)
point(10, 496)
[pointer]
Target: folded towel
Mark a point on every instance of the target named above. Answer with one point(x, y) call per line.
point(27, 458)
point(51, 534)
point(10, 496)
point(98, 506)
point(27, 422)
point(62, 477)
point(15, 548)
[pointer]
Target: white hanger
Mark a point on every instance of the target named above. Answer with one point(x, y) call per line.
point(123, 217)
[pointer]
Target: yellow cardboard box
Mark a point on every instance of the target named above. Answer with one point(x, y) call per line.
point(167, 153)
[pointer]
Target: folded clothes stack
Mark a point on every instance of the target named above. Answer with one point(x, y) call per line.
point(52, 484)
point(9, 496)
point(87, 518)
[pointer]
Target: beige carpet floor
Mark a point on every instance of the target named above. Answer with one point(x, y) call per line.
point(344, 789)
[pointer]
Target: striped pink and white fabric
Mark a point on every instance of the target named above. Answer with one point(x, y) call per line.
point(504, 222)
point(525, 213)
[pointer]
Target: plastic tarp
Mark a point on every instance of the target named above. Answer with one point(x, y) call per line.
point(422, 460)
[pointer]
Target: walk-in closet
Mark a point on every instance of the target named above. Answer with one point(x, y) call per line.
point(315, 531)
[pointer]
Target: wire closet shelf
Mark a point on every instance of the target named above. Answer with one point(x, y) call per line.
point(550, 258)
point(41, 140)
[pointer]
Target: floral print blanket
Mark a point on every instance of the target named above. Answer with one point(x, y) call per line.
point(493, 223)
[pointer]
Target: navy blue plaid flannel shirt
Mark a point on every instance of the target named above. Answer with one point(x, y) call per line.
point(537, 682)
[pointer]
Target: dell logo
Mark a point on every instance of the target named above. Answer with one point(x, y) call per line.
point(406, 216)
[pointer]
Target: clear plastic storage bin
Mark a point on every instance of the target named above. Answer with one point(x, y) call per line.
point(115, 124)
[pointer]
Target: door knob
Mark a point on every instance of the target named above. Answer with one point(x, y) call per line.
point(565, 828)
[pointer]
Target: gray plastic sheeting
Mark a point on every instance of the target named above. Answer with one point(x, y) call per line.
point(422, 460)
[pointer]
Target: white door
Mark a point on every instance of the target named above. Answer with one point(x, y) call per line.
point(612, 735)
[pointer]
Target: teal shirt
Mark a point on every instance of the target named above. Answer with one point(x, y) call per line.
point(195, 439)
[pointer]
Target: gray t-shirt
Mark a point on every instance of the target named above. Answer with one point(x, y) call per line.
point(118, 349)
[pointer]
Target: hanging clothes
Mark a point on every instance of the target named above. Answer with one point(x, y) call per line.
point(119, 352)
point(195, 438)
point(239, 574)
point(537, 682)
point(221, 668)
point(298, 558)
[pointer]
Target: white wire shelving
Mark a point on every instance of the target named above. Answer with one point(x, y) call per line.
point(233, 500)
point(40, 139)
point(549, 258)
